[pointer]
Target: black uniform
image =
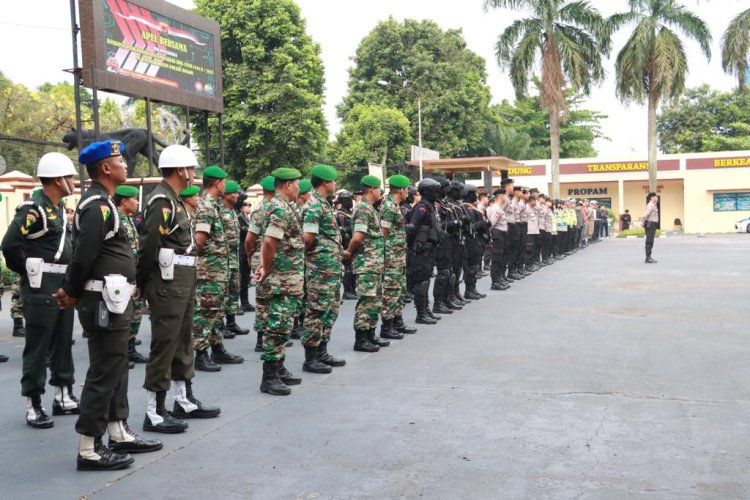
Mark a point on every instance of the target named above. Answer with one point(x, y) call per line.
point(101, 248)
point(244, 265)
point(423, 236)
point(476, 229)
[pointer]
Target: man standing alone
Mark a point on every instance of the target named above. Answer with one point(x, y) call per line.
point(650, 222)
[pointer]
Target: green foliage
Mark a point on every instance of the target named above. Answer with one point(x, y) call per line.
point(527, 116)
point(735, 48)
point(419, 60)
point(638, 232)
point(705, 120)
point(273, 87)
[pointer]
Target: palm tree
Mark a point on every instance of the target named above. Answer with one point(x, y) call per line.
point(652, 64)
point(569, 39)
point(735, 48)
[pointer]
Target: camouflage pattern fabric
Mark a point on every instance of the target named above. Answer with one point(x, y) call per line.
point(232, 231)
point(370, 302)
point(129, 225)
point(283, 287)
point(16, 305)
point(323, 270)
point(258, 221)
point(369, 264)
point(212, 272)
point(394, 275)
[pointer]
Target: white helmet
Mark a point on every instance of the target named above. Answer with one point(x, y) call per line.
point(177, 156)
point(53, 165)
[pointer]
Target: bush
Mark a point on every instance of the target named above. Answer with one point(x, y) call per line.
point(637, 231)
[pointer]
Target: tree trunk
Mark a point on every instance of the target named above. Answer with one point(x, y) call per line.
point(653, 100)
point(554, 141)
point(382, 164)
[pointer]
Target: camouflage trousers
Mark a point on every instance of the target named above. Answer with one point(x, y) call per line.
point(209, 309)
point(394, 294)
point(233, 292)
point(135, 323)
point(370, 292)
point(278, 325)
point(16, 305)
point(321, 307)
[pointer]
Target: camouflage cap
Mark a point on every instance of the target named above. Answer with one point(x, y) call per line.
point(370, 181)
point(286, 174)
point(325, 172)
point(398, 181)
point(215, 172)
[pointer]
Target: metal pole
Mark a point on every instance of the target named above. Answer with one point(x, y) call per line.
point(150, 135)
point(95, 103)
point(221, 140)
point(419, 119)
point(76, 84)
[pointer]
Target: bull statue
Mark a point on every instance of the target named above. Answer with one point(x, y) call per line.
point(135, 140)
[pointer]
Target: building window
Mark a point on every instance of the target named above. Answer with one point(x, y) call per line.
point(731, 202)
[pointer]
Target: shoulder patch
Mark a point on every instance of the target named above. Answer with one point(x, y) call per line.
point(166, 213)
point(106, 212)
point(422, 210)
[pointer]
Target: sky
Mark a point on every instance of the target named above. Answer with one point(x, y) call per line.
point(35, 36)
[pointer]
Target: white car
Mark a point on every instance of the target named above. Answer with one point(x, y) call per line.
point(743, 225)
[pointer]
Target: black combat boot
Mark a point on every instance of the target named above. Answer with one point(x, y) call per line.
point(259, 342)
point(204, 363)
point(473, 295)
point(297, 329)
point(65, 402)
point(220, 355)
point(288, 377)
point(133, 355)
point(326, 358)
point(387, 331)
point(423, 310)
point(18, 329)
point(122, 440)
point(233, 327)
point(158, 419)
point(441, 308)
point(36, 417)
point(312, 363)
point(401, 327)
point(93, 455)
point(3, 358)
point(271, 383)
point(361, 343)
point(186, 405)
point(225, 333)
point(248, 307)
point(349, 295)
point(373, 338)
point(499, 285)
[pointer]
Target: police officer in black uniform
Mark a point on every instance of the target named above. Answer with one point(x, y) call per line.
point(407, 206)
point(458, 239)
point(345, 200)
point(99, 281)
point(475, 231)
point(245, 305)
point(423, 237)
point(443, 252)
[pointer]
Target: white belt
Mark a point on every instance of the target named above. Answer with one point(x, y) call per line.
point(94, 286)
point(54, 268)
point(184, 260)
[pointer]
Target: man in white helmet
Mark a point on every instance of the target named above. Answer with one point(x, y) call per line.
point(38, 247)
point(166, 275)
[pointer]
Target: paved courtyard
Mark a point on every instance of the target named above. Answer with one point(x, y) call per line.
point(598, 377)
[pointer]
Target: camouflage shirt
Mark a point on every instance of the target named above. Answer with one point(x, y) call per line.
point(212, 262)
point(392, 219)
point(232, 232)
point(370, 257)
point(258, 222)
point(129, 225)
point(319, 218)
point(286, 276)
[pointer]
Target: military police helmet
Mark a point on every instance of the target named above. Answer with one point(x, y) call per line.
point(442, 181)
point(455, 186)
point(426, 184)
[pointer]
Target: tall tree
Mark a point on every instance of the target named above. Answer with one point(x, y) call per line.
point(273, 86)
point(567, 38)
point(703, 120)
point(398, 63)
point(652, 64)
point(735, 48)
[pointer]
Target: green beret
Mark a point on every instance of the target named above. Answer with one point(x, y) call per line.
point(398, 181)
point(232, 187)
point(305, 186)
point(286, 174)
point(190, 191)
point(267, 183)
point(215, 172)
point(325, 172)
point(126, 191)
point(370, 181)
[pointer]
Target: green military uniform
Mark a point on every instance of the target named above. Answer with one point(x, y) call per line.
point(368, 265)
point(129, 225)
point(16, 304)
point(394, 275)
point(232, 238)
point(323, 270)
point(39, 230)
point(258, 223)
point(167, 225)
point(101, 248)
point(212, 274)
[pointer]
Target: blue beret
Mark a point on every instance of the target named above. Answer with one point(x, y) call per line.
point(99, 150)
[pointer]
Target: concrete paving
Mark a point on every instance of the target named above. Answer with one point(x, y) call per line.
point(598, 377)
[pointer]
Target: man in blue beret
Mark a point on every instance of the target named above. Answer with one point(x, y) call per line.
point(100, 281)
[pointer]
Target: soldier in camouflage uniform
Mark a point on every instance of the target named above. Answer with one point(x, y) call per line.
point(232, 231)
point(212, 275)
point(394, 277)
point(126, 201)
point(367, 248)
point(305, 194)
point(323, 271)
point(280, 280)
point(255, 232)
point(16, 306)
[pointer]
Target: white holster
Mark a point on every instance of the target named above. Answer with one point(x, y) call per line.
point(34, 271)
point(166, 263)
point(116, 293)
